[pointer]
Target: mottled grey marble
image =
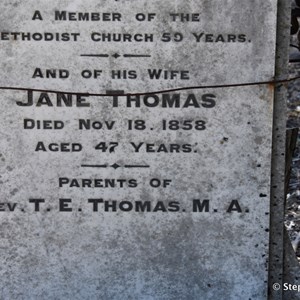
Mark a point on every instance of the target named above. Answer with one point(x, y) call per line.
point(223, 163)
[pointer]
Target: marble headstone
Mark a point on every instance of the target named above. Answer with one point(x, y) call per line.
point(121, 176)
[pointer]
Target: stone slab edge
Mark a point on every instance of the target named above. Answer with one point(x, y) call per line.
point(282, 262)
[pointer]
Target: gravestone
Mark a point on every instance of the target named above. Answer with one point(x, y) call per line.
point(135, 149)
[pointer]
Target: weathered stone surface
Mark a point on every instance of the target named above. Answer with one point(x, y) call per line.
point(202, 236)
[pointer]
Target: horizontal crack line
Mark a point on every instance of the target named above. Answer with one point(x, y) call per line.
point(197, 87)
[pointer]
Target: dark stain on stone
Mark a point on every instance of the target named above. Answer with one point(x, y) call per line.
point(261, 195)
point(14, 191)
